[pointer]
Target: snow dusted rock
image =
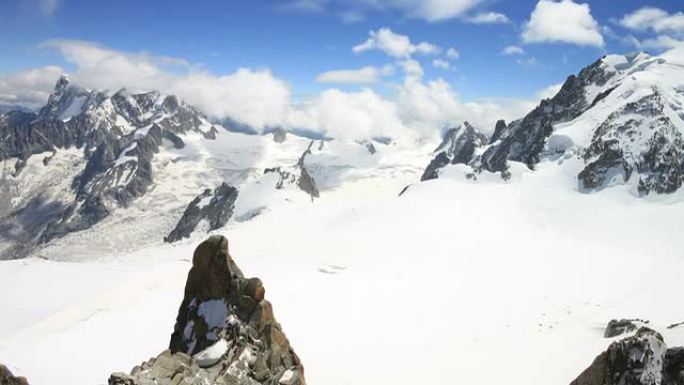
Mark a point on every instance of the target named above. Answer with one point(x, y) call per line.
point(623, 326)
point(297, 175)
point(225, 332)
point(524, 140)
point(458, 147)
point(7, 378)
point(642, 359)
point(210, 210)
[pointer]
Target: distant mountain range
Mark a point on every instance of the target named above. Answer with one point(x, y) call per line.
point(87, 155)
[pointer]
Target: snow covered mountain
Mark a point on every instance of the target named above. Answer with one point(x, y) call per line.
point(91, 158)
point(618, 122)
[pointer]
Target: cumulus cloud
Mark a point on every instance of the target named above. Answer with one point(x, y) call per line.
point(260, 99)
point(254, 97)
point(354, 115)
point(393, 44)
point(562, 22)
point(550, 91)
point(439, 63)
point(452, 53)
point(655, 19)
point(29, 88)
point(513, 50)
point(365, 75)
point(488, 18)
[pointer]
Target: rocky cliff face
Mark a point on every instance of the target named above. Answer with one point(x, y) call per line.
point(225, 332)
point(458, 147)
point(210, 210)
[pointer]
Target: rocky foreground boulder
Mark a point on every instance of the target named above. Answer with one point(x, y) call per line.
point(225, 332)
point(641, 359)
point(7, 378)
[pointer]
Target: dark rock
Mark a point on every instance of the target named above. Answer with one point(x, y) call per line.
point(279, 135)
point(523, 140)
point(371, 148)
point(623, 326)
point(7, 378)
point(636, 360)
point(457, 147)
point(673, 368)
point(306, 182)
point(214, 207)
point(498, 130)
point(222, 308)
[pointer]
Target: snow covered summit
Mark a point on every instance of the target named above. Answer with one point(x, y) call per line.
point(619, 121)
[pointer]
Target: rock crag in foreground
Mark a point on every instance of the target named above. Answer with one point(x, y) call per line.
point(641, 359)
point(225, 332)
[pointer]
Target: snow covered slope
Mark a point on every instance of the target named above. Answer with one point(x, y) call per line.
point(447, 279)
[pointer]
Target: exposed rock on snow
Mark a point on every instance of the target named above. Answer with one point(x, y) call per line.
point(642, 359)
point(279, 135)
point(225, 332)
point(458, 147)
point(306, 182)
point(623, 326)
point(7, 378)
point(211, 207)
point(298, 175)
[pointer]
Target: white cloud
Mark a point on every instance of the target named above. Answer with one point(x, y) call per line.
point(412, 68)
point(429, 10)
point(434, 10)
point(253, 97)
point(258, 98)
point(353, 115)
point(393, 44)
point(513, 50)
point(452, 53)
point(488, 18)
point(365, 75)
point(29, 88)
point(564, 22)
point(550, 91)
point(439, 63)
point(654, 19)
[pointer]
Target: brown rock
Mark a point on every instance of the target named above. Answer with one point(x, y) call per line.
point(7, 378)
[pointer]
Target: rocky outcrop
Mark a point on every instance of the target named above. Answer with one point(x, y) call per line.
point(297, 175)
point(210, 210)
point(306, 182)
point(7, 378)
point(641, 359)
point(225, 332)
point(619, 327)
point(458, 147)
point(279, 135)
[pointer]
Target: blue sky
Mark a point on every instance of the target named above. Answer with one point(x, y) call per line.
point(299, 39)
